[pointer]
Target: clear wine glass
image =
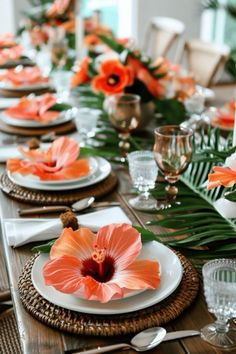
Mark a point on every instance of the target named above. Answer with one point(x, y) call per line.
point(173, 153)
point(143, 171)
point(125, 115)
point(219, 278)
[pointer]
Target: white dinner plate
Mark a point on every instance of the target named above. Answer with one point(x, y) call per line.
point(171, 275)
point(93, 166)
point(64, 117)
point(103, 171)
point(6, 85)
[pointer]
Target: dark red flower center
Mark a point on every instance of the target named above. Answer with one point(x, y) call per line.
point(113, 80)
point(102, 272)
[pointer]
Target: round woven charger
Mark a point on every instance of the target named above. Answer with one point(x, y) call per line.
point(58, 129)
point(21, 93)
point(80, 323)
point(32, 196)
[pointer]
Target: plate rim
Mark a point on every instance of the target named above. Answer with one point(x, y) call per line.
point(73, 185)
point(101, 310)
point(64, 117)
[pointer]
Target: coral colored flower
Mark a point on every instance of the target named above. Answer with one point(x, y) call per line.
point(10, 54)
point(154, 86)
point(59, 162)
point(101, 266)
point(224, 119)
point(221, 176)
point(81, 75)
point(91, 40)
point(36, 108)
point(25, 76)
point(7, 40)
point(113, 77)
point(57, 8)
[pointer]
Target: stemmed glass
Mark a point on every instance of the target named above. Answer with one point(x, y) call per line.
point(125, 115)
point(219, 278)
point(143, 172)
point(173, 153)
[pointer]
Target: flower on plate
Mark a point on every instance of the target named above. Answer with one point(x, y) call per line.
point(7, 40)
point(10, 54)
point(36, 108)
point(223, 176)
point(101, 266)
point(112, 77)
point(24, 76)
point(59, 162)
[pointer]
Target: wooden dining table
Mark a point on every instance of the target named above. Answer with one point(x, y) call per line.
point(36, 337)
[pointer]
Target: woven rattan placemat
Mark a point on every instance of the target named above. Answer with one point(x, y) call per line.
point(58, 129)
point(37, 197)
point(80, 323)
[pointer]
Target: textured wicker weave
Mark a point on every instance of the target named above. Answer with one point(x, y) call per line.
point(80, 323)
point(9, 338)
point(25, 195)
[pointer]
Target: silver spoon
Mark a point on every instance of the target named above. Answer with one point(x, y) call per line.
point(145, 340)
point(77, 206)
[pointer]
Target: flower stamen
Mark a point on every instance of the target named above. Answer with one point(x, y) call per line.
point(99, 256)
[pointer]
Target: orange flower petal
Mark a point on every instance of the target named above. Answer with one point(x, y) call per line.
point(221, 176)
point(121, 241)
point(102, 292)
point(63, 273)
point(77, 243)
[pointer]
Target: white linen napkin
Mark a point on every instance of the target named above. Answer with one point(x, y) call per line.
point(21, 231)
point(8, 102)
point(9, 152)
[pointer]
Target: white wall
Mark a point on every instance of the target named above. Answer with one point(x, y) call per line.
point(7, 23)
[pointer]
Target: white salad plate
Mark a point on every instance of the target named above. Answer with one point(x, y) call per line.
point(103, 170)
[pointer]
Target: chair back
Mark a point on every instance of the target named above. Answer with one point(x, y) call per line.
point(205, 60)
point(161, 34)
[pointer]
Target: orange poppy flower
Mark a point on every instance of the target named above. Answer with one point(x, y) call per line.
point(101, 266)
point(224, 119)
point(154, 86)
point(34, 109)
point(81, 75)
point(91, 40)
point(113, 77)
point(25, 76)
point(221, 176)
point(59, 162)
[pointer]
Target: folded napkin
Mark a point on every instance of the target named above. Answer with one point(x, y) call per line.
point(21, 231)
point(9, 152)
point(24, 76)
point(8, 102)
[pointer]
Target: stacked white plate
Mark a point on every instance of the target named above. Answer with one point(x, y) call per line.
point(99, 170)
point(171, 275)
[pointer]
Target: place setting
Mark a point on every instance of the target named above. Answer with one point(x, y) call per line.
point(35, 115)
point(54, 174)
point(127, 307)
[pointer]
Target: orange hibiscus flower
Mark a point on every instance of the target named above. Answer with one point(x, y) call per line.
point(57, 8)
point(154, 86)
point(25, 76)
point(36, 108)
point(221, 176)
point(113, 77)
point(81, 75)
point(59, 162)
point(101, 266)
point(9, 54)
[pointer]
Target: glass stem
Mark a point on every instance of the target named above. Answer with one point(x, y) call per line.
point(222, 326)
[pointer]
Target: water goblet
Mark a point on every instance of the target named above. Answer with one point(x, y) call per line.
point(125, 115)
point(61, 82)
point(173, 153)
point(86, 121)
point(143, 171)
point(219, 279)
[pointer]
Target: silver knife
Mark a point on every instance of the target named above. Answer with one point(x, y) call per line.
point(168, 336)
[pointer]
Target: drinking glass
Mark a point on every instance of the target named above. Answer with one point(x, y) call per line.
point(219, 279)
point(143, 172)
point(173, 153)
point(61, 82)
point(125, 115)
point(86, 121)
